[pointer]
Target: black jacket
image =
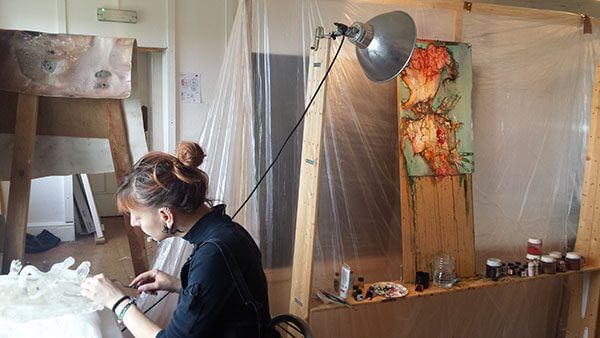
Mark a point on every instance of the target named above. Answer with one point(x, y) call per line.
point(210, 304)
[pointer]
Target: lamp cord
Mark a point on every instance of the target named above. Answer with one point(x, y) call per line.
point(278, 152)
point(293, 129)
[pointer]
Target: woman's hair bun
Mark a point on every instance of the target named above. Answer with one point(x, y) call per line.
point(190, 153)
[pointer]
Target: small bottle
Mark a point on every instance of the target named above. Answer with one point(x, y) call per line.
point(361, 282)
point(531, 269)
point(336, 282)
point(510, 270)
point(359, 295)
point(524, 272)
point(535, 260)
point(562, 266)
point(354, 292)
point(370, 292)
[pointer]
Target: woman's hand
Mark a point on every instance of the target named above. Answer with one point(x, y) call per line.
point(101, 290)
point(156, 280)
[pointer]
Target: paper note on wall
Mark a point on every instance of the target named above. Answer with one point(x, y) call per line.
point(190, 88)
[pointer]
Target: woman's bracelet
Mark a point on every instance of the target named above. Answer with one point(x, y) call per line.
point(124, 310)
point(114, 308)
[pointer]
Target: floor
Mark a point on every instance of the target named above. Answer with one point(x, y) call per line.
point(111, 258)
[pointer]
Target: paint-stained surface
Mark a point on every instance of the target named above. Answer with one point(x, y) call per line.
point(65, 65)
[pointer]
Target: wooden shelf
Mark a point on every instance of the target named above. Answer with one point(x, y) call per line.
point(463, 285)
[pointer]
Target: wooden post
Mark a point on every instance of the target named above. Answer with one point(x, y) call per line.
point(583, 291)
point(119, 148)
point(306, 218)
point(13, 233)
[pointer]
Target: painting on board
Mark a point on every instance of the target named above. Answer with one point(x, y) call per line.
point(435, 117)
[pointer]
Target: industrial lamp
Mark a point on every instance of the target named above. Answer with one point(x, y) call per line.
point(384, 44)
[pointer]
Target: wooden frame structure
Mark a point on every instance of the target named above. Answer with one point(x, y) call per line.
point(583, 288)
point(48, 93)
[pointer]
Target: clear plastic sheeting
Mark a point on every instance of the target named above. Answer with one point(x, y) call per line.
point(533, 81)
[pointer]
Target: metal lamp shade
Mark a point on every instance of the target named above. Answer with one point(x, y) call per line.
point(389, 51)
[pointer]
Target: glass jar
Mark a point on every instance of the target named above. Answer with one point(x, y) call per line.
point(534, 246)
point(444, 276)
point(492, 268)
point(549, 264)
point(573, 260)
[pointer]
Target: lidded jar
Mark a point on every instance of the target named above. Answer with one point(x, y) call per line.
point(534, 246)
point(549, 264)
point(573, 260)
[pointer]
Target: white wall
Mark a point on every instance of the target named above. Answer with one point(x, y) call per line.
point(201, 34)
point(79, 17)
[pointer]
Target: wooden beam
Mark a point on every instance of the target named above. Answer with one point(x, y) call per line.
point(20, 181)
point(151, 49)
point(308, 192)
point(583, 292)
point(119, 148)
point(2, 207)
point(437, 4)
point(60, 116)
point(463, 285)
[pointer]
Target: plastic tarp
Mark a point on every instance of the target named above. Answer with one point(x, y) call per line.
point(532, 88)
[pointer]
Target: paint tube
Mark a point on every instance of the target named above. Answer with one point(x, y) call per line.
point(345, 281)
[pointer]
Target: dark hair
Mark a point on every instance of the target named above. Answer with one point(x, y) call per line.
point(160, 180)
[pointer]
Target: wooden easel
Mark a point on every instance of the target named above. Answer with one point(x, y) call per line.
point(50, 94)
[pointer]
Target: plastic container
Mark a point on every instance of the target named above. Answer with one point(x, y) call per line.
point(549, 264)
point(573, 260)
point(444, 276)
point(534, 246)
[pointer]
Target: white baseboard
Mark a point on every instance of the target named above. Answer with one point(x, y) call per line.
point(65, 230)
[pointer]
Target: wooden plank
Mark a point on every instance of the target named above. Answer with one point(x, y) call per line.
point(60, 116)
point(87, 188)
point(428, 218)
point(20, 181)
point(464, 285)
point(433, 4)
point(407, 215)
point(448, 228)
point(527, 13)
point(308, 192)
point(587, 243)
point(459, 16)
point(119, 148)
point(2, 207)
point(151, 49)
point(463, 213)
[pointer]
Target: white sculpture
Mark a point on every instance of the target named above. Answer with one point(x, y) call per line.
point(27, 293)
